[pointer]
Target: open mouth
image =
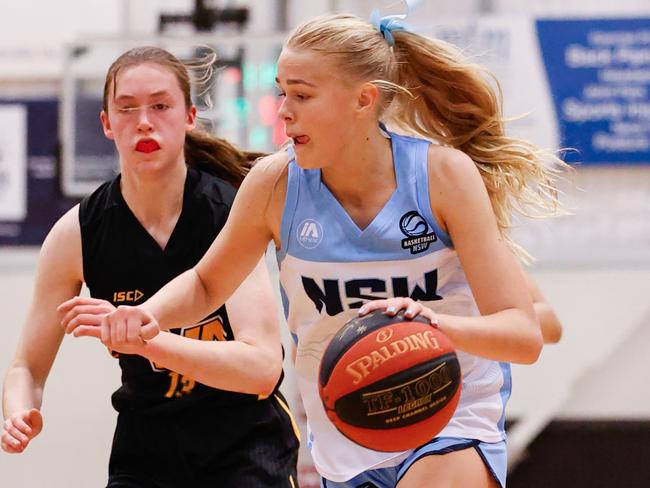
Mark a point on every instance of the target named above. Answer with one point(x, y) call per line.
point(147, 146)
point(300, 140)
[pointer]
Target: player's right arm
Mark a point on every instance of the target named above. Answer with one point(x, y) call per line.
point(253, 222)
point(58, 277)
point(233, 255)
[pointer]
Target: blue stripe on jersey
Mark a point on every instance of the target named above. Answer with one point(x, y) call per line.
point(285, 300)
point(285, 306)
point(505, 391)
point(308, 232)
point(290, 202)
point(421, 177)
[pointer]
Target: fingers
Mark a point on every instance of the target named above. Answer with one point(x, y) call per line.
point(11, 445)
point(150, 331)
point(120, 329)
point(126, 327)
point(10, 448)
point(82, 320)
point(134, 325)
point(105, 331)
point(23, 427)
point(19, 429)
point(66, 306)
point(14, 432)
point(430, 315)
point(392, 306)
point(88, 331)
point(118, 332)
point(372, 306)
point(139, 324)
point(83, 311)
point(133, 333)
point(35, 420)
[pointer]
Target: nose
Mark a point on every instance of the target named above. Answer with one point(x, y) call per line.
point(144, 124)
point(284, 113)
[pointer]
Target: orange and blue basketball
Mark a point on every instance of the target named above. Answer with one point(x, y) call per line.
point(389, 383)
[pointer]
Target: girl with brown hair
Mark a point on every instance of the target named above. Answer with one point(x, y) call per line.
point(197, 407)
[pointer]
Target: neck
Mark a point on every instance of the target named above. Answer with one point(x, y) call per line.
point(365, 165)
point(156, 199)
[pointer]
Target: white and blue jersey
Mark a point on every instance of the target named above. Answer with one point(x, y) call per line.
point(329, 267)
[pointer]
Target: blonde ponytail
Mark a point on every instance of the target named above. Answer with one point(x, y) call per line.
point(452, 101)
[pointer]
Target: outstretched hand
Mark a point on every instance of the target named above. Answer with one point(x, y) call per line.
point(19, 429)
point(392, 306)
point(123, 329)
point(83, 315)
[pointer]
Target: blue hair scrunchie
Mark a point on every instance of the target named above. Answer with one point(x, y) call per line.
point(386, 25)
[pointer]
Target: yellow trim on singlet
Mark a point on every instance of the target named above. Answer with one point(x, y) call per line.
point(293, 485)
point(285, 407)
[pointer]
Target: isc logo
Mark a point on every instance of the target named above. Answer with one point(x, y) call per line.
point(127, 296)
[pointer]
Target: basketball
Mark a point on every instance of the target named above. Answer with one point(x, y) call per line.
point(389, 383)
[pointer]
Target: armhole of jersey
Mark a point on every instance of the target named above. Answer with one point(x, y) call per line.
point(290, 202)
point(422, 184)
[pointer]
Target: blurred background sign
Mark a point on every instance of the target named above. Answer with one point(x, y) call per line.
point(13, 141)
point(599, 74)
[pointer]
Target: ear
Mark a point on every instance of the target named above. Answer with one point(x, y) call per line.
point(106, 125)
point(367, 99)
point(190, 121)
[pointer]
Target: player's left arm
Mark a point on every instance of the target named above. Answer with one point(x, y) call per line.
point(507, 329)
point(251, 363)
point(548, 320)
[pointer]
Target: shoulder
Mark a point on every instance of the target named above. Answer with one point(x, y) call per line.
point(269, 175)
point(212, 188)
point(93, 206)
point(267, 186)
point(62, 246)
point(455, 185)
point(451, 168)
point(272, 167)
point(67, 226)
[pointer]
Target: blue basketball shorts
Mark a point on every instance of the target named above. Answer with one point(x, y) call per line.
point(494, 455)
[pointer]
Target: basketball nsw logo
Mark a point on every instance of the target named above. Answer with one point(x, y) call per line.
point(416, 230)
point(309, 233)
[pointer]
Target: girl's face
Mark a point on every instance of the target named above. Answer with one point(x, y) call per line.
point(147, 117)
point(319, 108)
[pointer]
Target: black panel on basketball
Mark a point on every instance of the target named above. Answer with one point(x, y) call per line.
point(428, 385)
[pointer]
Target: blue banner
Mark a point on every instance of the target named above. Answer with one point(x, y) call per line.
point(599, 75)
point(45, 203)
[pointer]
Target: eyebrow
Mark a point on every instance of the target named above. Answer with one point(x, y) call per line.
point(158, 94)
point(296, 81)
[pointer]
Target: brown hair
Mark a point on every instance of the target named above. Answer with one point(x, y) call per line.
point(202, 150)
point(429, 89)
